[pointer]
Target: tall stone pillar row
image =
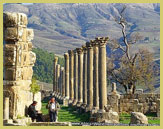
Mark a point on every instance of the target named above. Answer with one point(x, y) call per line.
point(84, 76)
point(71, 79)
point(18, 62)
point(65, 101)
point(58, 80)
point(95, 75)
point(89, 77)
point(80, 76)
point(102, 74)
point(54, 74)
point(75, 77)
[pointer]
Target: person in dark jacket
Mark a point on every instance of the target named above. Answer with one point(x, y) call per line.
point(53, 107)
point(33, 113)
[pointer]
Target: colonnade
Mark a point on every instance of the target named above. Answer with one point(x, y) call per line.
point(83, 79)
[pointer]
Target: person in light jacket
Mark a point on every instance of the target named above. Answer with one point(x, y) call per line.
point(53, 107)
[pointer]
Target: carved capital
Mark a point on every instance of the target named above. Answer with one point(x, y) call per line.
point(66, 55)
point(79, 50)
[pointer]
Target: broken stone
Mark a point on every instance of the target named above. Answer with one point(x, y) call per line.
point(138, 118)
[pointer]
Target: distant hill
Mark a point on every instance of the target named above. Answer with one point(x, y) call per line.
point(59, 27)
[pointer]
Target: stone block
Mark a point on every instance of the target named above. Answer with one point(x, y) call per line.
point(30, 46)
point(32, 57)
point(138, 118)
point(10, 55)
point(30, 35)
point(14, 19)
point(27, 73)
point(15, 34)
point(10, 73)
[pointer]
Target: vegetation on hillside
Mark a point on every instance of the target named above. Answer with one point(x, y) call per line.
point(43, 69)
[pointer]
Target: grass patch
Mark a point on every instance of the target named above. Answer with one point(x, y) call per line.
point(152, 119)
point(67, 114)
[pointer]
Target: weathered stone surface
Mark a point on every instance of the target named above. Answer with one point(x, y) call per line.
point(18, 62)
point(138, 118)
point(9, 55)
point(105, 117)
point(30, 35)
point(14, 19)
point(136, 103)
point(15, 34)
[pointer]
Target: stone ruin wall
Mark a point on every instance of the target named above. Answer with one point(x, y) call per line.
point(18, 62)
point(128, 103)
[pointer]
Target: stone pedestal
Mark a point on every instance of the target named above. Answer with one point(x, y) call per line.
point(105, 117)
point(80, 76)
point(66, 56)
point(6, 108)
point(89, 76)
point(71, 73)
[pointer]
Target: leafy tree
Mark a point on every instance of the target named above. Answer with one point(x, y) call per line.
point(126, 67)
point(34, 87)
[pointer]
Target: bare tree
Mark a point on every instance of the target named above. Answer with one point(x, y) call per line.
point(128, 68)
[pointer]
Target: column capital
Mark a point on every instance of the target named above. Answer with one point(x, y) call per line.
point(66, 55)
point(89, 45)
point(71, 52)
point(84, 48)
point(55, 59)
point(79, 50)
point(101, 41)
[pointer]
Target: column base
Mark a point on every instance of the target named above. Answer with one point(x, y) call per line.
point(74, 102)
point(105, 117)
point(65, 102)
point(94, 110)
point(78, 104)
point(70, 101)
point(88, 108)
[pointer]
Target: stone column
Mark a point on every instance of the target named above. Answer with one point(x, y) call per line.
point(102, 74)
point(80, 76)
point(71, 79)
point(63, 81)
point(84, 75)
point(89, 76)
point(57, 78)
point(54, 73)
point(114, 88)
point(95, 75)
point(6, 108)
point(75, 77)
point(66, 56)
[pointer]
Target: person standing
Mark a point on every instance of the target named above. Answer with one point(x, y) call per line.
point(53, 107)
